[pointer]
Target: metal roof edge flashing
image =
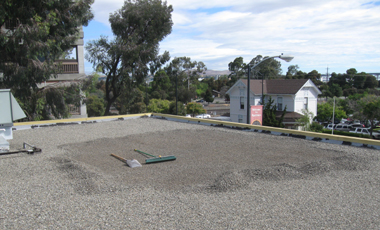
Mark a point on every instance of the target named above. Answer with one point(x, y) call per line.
point(73, 121)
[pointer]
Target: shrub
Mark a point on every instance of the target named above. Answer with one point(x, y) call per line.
point(95, 106)
point(316, 127)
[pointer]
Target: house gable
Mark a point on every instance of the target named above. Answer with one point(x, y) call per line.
point(295, 94)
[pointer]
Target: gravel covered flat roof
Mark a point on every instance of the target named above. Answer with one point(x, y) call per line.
point(221, 179)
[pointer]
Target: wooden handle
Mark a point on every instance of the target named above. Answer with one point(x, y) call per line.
point(120, 158)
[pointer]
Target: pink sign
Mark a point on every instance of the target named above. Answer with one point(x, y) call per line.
point(256, 115)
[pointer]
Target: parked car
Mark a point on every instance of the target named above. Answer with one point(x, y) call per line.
point(203, 116)
point(357, 125)
point(330, 126)
point(365, 131)
point(343, 127)
point(200, 100)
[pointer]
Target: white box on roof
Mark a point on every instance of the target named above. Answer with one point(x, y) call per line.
point(10, 111)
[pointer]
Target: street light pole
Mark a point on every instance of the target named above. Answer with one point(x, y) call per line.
point(176, 95)
point(283, 57)
point(248, 96)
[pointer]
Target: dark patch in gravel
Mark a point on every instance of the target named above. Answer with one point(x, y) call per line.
point(212, 161)
point(297, 136)
point(82, 181)
point(64, 124)
point(88, 122)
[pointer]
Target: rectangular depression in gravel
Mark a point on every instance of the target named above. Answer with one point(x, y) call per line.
point(222, 178)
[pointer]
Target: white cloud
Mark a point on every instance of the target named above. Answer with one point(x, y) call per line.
point(323, 33)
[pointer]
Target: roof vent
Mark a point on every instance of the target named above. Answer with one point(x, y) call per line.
point(10, 111)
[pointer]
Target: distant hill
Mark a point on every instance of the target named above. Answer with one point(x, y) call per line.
point(217, 72)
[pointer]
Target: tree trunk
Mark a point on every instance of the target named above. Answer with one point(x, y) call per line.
point(108, 107)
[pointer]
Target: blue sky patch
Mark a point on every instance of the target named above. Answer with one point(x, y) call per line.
point(95, 29)
point(377, 3)
point(210, 10)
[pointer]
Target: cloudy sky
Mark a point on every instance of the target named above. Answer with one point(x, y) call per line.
point(319, 34)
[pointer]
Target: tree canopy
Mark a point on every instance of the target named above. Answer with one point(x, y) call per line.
point(269, 69)
point(194, 109)
point(126, 60)
point(184, 75)
point(34, 34)
point(367, 108)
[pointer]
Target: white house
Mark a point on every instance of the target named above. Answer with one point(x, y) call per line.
point(294, 94)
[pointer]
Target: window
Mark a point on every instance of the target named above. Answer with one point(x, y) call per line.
point(241, 102)
point(240, 119)
point(279, 103)
point(305, 102)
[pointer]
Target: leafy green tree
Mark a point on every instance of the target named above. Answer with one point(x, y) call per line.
point(269, 69)
point(227, 97)
point(325, 111)
point(292, 71)
point(344, 105)
point(269, 114)
point(182, 71)
point(336, 90)
point(339, 79)
point(92, 86)
point(349, 91)
point(194, 109)
point(202, 88)
point(373, 91)
point(367, 109)
point(37, 33)
point(359, 81)
point(315, 77)
point(221, 82)
point(316, 127)
point(352, 71)
point(208, 96)
point(161, 85)
point(95, 106)
point(130, 102)
point(370, 82)
point(51, 102)
point(238, 68)
point(138, 27)
point(180, 107)
point(306, 119)
point(159, 106)
point(325, 89)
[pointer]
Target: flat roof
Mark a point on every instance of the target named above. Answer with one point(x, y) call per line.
point(221, 178)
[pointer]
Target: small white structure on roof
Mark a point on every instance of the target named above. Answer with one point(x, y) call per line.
point(10, 111)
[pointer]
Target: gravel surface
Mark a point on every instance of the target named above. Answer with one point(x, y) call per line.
point(222, 179)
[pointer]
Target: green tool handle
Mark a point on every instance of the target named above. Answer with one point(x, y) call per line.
point(144, 153)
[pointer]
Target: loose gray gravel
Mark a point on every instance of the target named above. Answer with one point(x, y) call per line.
point(222, 179)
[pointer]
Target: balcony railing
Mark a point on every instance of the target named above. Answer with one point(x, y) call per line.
point(69, 67)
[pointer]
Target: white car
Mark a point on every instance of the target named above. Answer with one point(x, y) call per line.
point(365, 131)
point(203, 116)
